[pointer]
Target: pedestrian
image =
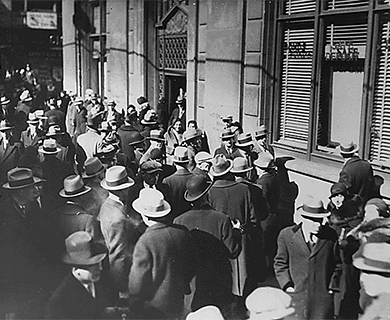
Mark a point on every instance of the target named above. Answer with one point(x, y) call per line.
point(144, 107)
point(179, 113)
point(203, 161)
point(261, 144)
point(228, 148)
point(192, 139)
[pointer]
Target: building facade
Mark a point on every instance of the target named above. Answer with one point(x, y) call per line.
point(316, 72)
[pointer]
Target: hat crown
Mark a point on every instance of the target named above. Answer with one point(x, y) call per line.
point(180, 153)
point(20, 176)
point(190, 134)
point(267, 300)
point(4, 100)
point(338, 188)
point(54, 130)
point(116, 174)
point(202, 156)
point(92, 166)
point(73, 184)
point(141, 100)
point(240, 164)
point(262, 131)
point(313, 206)
point(227, 134)
point(49, 144)
point(264, 161)
point(105, 126)
point(25, 95)
point(32, 117)
point(53, 120)
point(150, 166)
point(5, 124)
point(135, 138)
point(221, 164)
point(197, 185)
point(348, 147)
point(156, 133)
point(152, 201)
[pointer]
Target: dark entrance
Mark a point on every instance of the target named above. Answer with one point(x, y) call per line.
point(173, 84)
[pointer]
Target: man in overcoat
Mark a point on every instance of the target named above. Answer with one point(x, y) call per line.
point(33, 135)
point(307, 264)
point(163, 262)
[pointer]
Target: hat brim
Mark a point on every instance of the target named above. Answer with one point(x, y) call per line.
point(136, 142)
point(228, 136)
point(33, 121)
point(5, 102)
point(155, 139)
point(137, 205)
point(246, 144)
point(263, 134)
point(218, 174)
point(304, 213)
point(152, 170)
point(190, 198)
point(278, 314)
point(262, 166)
point(84, 191)
point(192, 138)
point(49, 152)
point(240, 171)
point(148, 123)
point(36, 180)
point(27, 99)
point(67, 259)
point(355, 149)
point(122, 186)
point(180, 161)
point(84, 175)
point(358, 262)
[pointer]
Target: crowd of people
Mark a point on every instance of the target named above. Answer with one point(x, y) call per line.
point(118, 214)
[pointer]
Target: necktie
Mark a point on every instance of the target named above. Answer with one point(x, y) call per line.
point(91, 289)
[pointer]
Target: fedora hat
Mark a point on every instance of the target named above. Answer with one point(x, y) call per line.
point(18, 178)
point(116, 179)
point(180, 155)
point(262, 131)
point(221, 165)
point(196, 186)
point(203, 156)
point(78, 101)
point(151, 203)
point(227, 134)
point(73, 187)
point(25, 96)
point(314, 208)
point(89, 92)
point(5, 125)
point(135, 138)
point(82, 251)
point(156, 154)
point(265, 162)
point(141, 100)
point(207, 312)
point(49, 147)
point(92, 167)
point(227, 118)
point(191, 134)
point(54, 131)
point(179, 99)
point(4, 100)
point(269, 303)
point(348, 148)
point(53, 120)
point(240, 165)
point(244, 140)
point(156, 135)
point(373, 256)
point(32, 118)
point(149, 118)
point(40, 114)
point(111, 103)
point(151, 166)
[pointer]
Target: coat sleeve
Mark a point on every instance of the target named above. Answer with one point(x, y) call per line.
point(345, 178)
point(231, 238)
point(281, 265)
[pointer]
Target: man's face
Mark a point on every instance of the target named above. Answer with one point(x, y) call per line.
point(312, 225)
point(228, 142)
point(374, 283)
point(90, 274)
point(31, 193)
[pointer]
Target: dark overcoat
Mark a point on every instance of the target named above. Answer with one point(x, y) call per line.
point(358, 177)
point(311, 272)
point(222, 150)
point(28, 140)
point(9, 157)
point(233, 199)
point(161, 271)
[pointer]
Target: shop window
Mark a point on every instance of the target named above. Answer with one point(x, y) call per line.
point(299, 6)
point(380, 127)
point(346, 4)
point(296, 74)
point(341, 85)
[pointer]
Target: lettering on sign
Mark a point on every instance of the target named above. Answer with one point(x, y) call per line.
point(297, 50)
point(41, 20)
point(344, 51)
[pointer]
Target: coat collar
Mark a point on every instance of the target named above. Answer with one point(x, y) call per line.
point(352, 160)
point(302, 245)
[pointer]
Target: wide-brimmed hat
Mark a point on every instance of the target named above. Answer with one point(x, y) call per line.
point(92, 167)
point(227, 118)
point(265, 162)
point(338, 188)
point(191, 134)
point(49, 146)
point(196, 186)
point(227, 134)
point(313, 207)
point(348, 148)
point(107, 151)
point(240, 165)
point(381, 205)
point(25, 96)
point(373, 256)
point(180, 155)
point(111, 102)
point(32, 118)
point(151, 203)
point(73, 187)
point(150, 166)
point(262, 131)
point(207, 312)
point(244, 140)
point(203, 156)
point(179, 99)
point(221, 165)
point(141, 100)
point(116, 179)
point(89, 92)
point(269, 303)
point(5, 125)
point(82, 251)
point(149, 118)
point(54, 130)
point(4, 100)
point(156, 135)
point(18, 178)
point(135, 138)
point(40, 114)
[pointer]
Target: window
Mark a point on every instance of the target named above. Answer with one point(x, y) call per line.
point(346, 4)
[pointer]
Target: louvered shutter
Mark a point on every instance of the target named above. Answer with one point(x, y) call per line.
point(380, 130)
point(299, 6)
point(296, 85)
point(355, 34)
point(346, 4)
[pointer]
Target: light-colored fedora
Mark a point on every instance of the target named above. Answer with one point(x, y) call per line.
point(116, 179)
point(207, 312)
point(4, 100)
point(151, 203)
point(348, 148)
point(180, 155)
point(54, 130)
point(227, 134)
point(373, 256)
point(73, 187)
point(203, 156)
point(265, 162)
point(221, 165)
point(261, 132)
point(82, 251)
point(240, 165)
point(49, 146)
point(313, 207)
point(32, 118)
point(5, 125)
point(25, 96)
point(18, 178)
point(244, 140)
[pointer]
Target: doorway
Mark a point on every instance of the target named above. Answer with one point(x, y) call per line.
point(173, 84)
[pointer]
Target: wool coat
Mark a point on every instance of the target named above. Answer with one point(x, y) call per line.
point(9, 157)
point(120, 235)
point(235, 153)
point(233, 199)
point(27, 139)
point(358, 177)
point(162, 268)
point(216, 243)
point(311, 272)
point(126, 132)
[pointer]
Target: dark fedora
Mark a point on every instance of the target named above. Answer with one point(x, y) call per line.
point(92, 167)
point(19, 178)
point(53, 120)
point(313, 208)
point(196, 186)
point(82, 251)
point(261, 132)
point(348, 148)
point(244, 140)
point(116, 179)
point(141, 100)
point(135, 138)
point(191, 134)
point(73, 187)
point(227, 134)
point(221, 165)
point(373, 256)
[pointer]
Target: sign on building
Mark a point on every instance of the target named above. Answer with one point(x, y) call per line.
point(42, 20)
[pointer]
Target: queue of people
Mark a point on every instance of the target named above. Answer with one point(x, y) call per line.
point(109, 214)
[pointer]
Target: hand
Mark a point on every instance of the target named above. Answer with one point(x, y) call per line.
point(290, 290)
point(124, 295)
point(236, 224)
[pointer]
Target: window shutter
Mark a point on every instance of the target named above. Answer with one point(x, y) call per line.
point(346, 4)
point(296, 84)
point(299, 6)
point(380, 127)
point(353, 33)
